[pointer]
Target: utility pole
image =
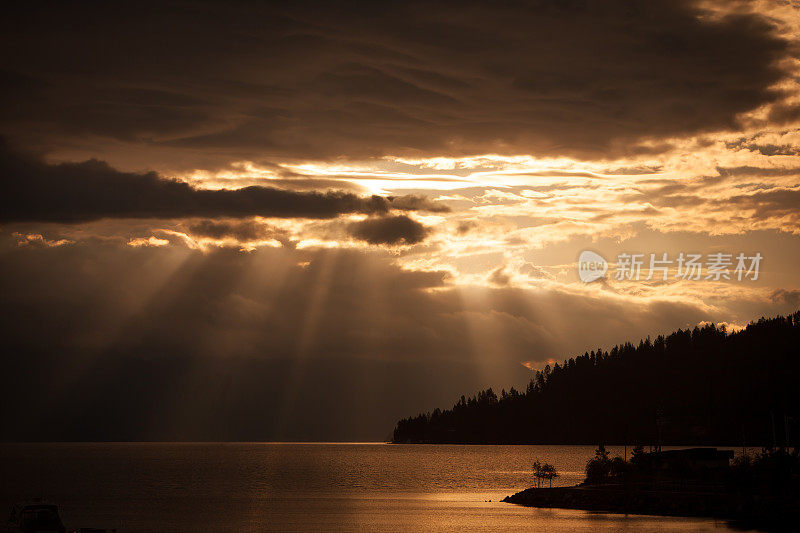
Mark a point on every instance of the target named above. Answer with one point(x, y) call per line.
point(744, 442)
point(774, 440)
point(786, 430)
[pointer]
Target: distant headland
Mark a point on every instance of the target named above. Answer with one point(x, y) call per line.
point(700, 386)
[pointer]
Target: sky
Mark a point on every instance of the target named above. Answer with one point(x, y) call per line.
point(306, 220)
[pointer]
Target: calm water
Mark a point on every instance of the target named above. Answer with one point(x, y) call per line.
point(303, 487)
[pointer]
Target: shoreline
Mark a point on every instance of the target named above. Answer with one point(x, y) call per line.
point(771, 512)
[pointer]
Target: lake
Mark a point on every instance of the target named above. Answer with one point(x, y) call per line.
point(304, 487)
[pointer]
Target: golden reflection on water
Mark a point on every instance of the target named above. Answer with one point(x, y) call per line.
point(305, 487)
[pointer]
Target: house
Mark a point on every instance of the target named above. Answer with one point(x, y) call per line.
point(690, 459)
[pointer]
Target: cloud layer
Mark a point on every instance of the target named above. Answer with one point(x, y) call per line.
point(314, 80)
point(33, 190)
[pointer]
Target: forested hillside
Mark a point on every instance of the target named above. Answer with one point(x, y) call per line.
point(699, 386)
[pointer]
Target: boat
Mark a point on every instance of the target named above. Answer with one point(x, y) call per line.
point(34, 517)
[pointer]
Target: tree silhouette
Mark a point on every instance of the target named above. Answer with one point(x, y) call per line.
point(598, 469)
point(549, 472)
point(542, 472)
point(704, 385)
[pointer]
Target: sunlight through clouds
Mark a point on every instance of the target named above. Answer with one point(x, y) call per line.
point(263, 180)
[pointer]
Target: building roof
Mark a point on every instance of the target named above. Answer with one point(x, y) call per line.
point(695, 454)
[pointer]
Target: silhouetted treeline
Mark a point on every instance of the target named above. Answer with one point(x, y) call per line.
point(699, 386)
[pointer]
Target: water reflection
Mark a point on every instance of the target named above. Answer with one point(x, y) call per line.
point(297, 487)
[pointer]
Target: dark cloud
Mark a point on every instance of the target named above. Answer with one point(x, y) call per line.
point(465, 226)
point(787, 297)
point(297, 80)
point(414, 202)
point(764, 200)
point(294, 184)
point(241, 230)
point(33, 190)
point(767, 149)
point(756, 172)
point(768, 204)
point(784, 113)
point(394, 230)
point(776, 149)
point(499, 276)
